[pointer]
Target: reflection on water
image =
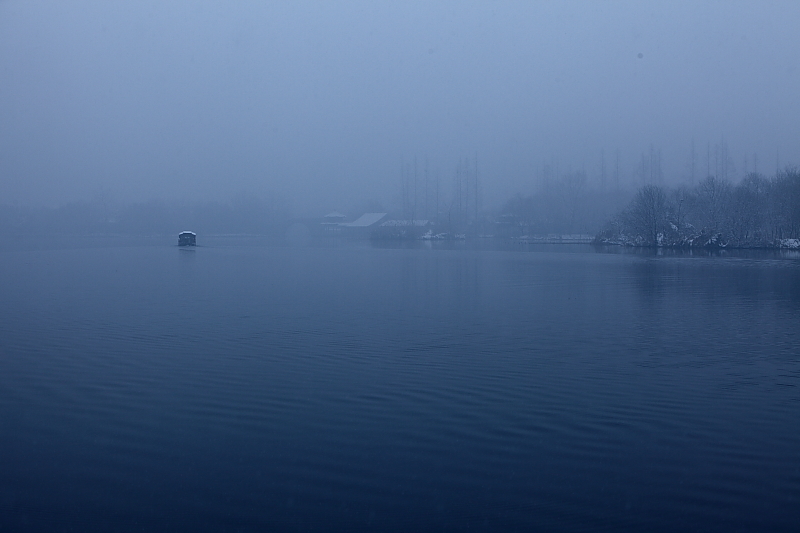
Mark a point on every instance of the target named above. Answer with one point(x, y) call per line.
point(355, 387)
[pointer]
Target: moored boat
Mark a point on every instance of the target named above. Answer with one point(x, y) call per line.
point(187, 238)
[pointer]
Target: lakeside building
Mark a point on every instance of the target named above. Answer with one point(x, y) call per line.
point(401, 229)
point(332, 222)
point(362, 227)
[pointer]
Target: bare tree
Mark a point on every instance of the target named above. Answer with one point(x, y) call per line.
point(414, 212)
point(745, 215)
point(603, 168)
point(647, 214)
point(427, 215)
point(713, 196)
point(476, 188)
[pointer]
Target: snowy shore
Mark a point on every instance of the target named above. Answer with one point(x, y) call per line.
point(697, 241)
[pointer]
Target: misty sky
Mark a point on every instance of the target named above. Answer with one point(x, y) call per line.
point(318, 102)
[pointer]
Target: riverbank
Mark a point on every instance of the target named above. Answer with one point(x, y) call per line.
point(696, 242)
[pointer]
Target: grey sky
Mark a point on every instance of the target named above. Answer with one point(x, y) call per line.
point(319, 101)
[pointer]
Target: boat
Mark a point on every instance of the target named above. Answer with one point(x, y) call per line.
point(187, 238)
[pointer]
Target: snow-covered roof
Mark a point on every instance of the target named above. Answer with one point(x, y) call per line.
point(335, 214)
point(189, 232)
point(365, 220)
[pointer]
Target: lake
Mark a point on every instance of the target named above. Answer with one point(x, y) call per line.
point(243, 387)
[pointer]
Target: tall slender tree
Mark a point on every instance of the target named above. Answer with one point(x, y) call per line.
point(427, 214)
point(476, 188)
point(602, 168)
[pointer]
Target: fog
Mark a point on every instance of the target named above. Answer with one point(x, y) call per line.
point(319, 104)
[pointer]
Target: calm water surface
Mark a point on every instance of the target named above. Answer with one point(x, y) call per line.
point(240, 387)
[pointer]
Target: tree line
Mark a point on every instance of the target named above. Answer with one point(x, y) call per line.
point(758, 211)
point(424, 197)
